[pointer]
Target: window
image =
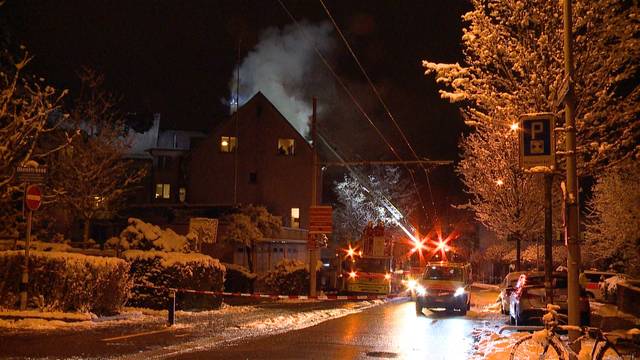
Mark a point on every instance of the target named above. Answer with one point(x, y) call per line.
point(286, 147)
point(228, 144)
point(253, 178)
point(163, 191)
point(295, 218)
point(182, 194)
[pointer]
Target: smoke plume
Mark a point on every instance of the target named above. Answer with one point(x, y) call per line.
point(282, 66)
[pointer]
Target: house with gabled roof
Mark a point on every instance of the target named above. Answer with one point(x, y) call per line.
point(255, 156)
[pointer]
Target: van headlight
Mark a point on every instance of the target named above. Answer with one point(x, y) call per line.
point(459, 291)
point(421, 291)
point(411, 284)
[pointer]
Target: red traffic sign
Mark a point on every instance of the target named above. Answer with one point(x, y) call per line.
point(320, 219)
point(33, 197)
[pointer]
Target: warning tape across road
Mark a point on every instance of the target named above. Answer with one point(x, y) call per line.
point(273, 296)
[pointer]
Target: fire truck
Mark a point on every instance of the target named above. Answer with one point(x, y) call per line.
point(367, 266)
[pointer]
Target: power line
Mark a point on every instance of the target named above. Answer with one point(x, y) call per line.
point(379, 97)
point(354, 100)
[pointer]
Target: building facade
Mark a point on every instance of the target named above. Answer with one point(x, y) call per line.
point(255, 157)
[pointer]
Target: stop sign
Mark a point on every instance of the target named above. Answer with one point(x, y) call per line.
point(33, 198)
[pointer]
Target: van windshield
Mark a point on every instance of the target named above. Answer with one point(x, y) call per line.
point(443, 273)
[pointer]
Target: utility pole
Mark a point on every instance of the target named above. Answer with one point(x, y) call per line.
point(572, 237)
point(548, 237)
point(312, 243)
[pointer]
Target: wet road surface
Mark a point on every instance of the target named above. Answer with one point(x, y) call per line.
point(268, 331)
point(389, 331)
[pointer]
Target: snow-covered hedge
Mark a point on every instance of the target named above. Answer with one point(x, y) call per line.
point(289, 277)
point(140, 235)
point(193, 271)
point(60, 281)
point(238, 279)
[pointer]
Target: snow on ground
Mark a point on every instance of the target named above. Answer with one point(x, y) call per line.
point(611, 310)
point(295, 321)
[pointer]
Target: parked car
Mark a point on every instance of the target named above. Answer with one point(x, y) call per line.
point(527, 302)
point(595, 280)
point(506, 287)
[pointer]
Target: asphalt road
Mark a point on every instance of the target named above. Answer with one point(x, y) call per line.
point(389, 331)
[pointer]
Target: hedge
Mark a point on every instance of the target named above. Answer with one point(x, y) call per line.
point(238, 279)
point(60, 281)
point(289, 277)
point(166, 270)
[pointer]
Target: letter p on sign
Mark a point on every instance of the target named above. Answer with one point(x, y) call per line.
point(537, 141)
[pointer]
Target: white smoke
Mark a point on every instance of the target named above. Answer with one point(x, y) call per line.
point(282, 66)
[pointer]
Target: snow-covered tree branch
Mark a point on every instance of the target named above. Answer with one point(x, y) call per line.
point(91, 176)
point(613, 229)
point(514, 65)
point(29, 110)
point(358, 206)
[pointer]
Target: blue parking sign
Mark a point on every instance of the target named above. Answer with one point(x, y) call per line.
point(537, 141)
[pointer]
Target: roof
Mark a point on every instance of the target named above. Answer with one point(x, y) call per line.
point(259, 96)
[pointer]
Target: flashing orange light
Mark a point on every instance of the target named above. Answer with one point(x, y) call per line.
point(351, 252)
point(442, 245)
point(353, 274)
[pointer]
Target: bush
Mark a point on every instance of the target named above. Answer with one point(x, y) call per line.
point(140, 235)
point(238, 279)
point(61, 281)
point(174, 270)
point(289, 277)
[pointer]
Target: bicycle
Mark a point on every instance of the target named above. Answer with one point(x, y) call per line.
point(547, 343)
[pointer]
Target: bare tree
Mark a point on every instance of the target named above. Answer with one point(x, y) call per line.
point(91, 177)
point(514, 65)
point(613, 229)
point(29, 112)
point(248, 225)
point(359, 204)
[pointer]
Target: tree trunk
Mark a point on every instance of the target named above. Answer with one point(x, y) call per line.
point(85, 230)
point(517, 238)
point(250, 252)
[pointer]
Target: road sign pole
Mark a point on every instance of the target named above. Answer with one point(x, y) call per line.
point(24, 280)
point(571, 199)
point(314, 188)
point(548, 236)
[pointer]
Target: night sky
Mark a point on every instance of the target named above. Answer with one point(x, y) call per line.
point(177, 57)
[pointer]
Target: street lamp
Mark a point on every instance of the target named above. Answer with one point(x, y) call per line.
point(499, 182)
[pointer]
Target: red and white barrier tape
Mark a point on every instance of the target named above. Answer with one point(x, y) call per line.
point(272, 296)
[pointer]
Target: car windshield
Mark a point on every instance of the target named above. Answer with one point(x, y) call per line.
point(372, 265)
point(443, 273)
point(559, 282)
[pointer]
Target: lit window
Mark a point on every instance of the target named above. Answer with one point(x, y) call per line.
point(182, 194)
point(163, 191)
point(295, 218)
point(228, 144)
point(286, 146)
